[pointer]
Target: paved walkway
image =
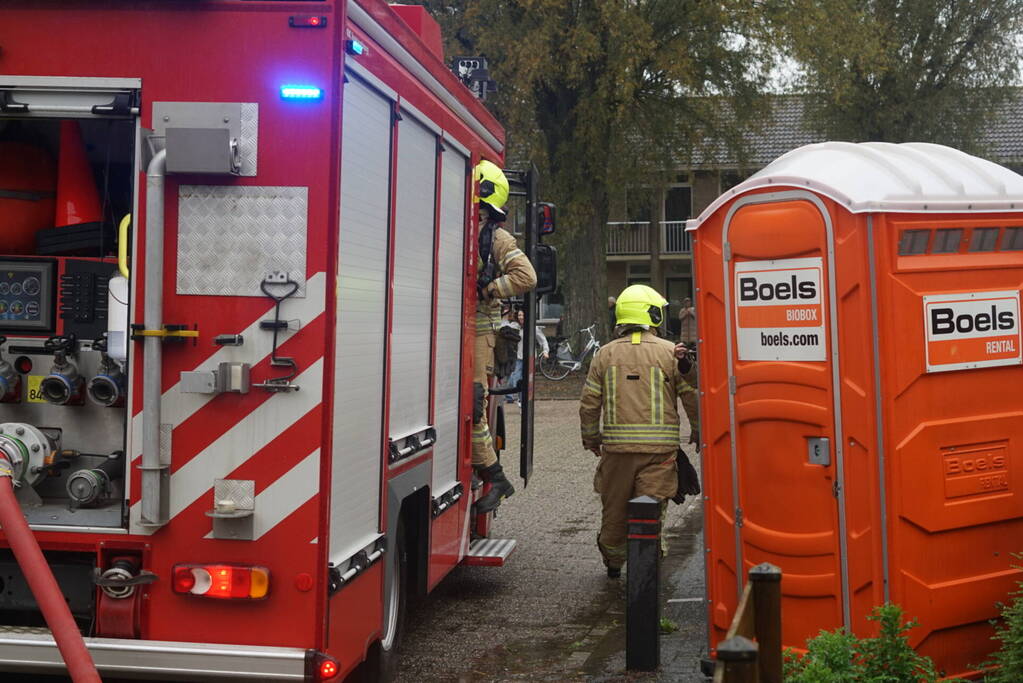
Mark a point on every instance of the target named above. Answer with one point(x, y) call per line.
point(551, 614)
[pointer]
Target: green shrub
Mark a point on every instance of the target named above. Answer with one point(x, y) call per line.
point(840, 657)
point(1009, 657)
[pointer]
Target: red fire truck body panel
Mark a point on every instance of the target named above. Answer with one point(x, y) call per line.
point(234, 51)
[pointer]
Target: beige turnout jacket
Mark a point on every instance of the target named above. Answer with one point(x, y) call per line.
point(635, 383)
point(517, 277)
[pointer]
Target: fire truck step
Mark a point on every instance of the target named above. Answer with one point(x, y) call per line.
point(489, 552)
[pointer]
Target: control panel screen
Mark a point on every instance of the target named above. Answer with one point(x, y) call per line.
point(26, 296)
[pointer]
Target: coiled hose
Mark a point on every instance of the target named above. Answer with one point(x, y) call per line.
point(40, 580)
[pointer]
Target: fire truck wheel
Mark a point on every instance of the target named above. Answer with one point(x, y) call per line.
point(382, 659)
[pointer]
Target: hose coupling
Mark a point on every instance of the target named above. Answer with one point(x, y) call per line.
point(109, 387)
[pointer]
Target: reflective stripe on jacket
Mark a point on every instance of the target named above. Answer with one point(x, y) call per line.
point(634, 382)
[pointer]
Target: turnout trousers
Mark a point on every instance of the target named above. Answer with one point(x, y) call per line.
point(621, 477)
point(483, 369)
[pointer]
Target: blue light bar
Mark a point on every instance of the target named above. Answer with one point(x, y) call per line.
point(301, 92)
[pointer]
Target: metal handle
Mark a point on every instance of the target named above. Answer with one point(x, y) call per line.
point(818, 450)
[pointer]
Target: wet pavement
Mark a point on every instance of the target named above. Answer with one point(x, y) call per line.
point(551, 614)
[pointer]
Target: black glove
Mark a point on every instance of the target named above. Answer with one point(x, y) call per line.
point(694, 437)
point(688, 481)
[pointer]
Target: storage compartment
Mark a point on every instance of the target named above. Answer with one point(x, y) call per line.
point(65, 186)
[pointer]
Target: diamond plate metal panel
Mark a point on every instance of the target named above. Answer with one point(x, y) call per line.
point(166, 443)
point(230, 238)
point(248, 144)
point(241, 491)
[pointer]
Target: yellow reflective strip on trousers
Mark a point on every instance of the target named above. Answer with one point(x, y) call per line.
point(480, 434)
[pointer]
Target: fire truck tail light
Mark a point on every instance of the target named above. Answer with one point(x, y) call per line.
point(260, 583)
point(328, 669)
point(222, 581)
point(321, 667)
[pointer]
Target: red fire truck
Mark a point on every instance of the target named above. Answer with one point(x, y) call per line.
point(237, 282)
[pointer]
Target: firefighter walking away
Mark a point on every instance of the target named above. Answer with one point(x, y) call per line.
point(503, 271)
point(634, 382)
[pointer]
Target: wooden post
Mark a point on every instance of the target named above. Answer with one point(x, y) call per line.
point(643, 606)
point(739, 656)
point(766, 580)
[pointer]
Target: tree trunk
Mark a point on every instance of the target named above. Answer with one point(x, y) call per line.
point(584, 280)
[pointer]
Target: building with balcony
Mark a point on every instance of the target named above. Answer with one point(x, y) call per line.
point(645, 237)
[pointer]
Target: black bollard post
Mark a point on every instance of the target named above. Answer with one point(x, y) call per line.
point(643, 609)
point(766, 579)
point(739, 657)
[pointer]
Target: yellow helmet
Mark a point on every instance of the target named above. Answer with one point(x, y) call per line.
point(640, 305)
point(492, 186)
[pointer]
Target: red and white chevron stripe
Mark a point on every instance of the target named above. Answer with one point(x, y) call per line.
point(272, 438)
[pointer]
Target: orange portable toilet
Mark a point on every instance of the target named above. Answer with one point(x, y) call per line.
point(860, 359)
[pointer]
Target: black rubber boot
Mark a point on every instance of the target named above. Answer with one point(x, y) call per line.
point(500, 488)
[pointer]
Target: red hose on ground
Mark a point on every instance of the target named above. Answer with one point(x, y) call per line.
point(44, 587)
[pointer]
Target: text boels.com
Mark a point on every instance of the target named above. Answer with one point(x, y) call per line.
point(784, 339)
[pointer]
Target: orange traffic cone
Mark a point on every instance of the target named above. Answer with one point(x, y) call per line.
point(77, 198)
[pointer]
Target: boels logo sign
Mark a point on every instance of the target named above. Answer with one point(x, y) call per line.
point(972, 330)
point(779, 310)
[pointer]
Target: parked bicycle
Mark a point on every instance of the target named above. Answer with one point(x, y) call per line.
point(563, 360)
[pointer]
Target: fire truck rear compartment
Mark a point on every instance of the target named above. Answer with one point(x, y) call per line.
point(65, 185)
point(73, 572)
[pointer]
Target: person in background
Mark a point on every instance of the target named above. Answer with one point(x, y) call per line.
point(687, 323)
point(517, 319)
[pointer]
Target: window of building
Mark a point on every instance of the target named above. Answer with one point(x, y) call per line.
point(678, 204)
point(637, 274)
point(729, 178)
point(638, 204)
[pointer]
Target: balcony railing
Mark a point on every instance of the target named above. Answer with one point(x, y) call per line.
point(628, 238)
point(674, 238)
point(632, 238)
